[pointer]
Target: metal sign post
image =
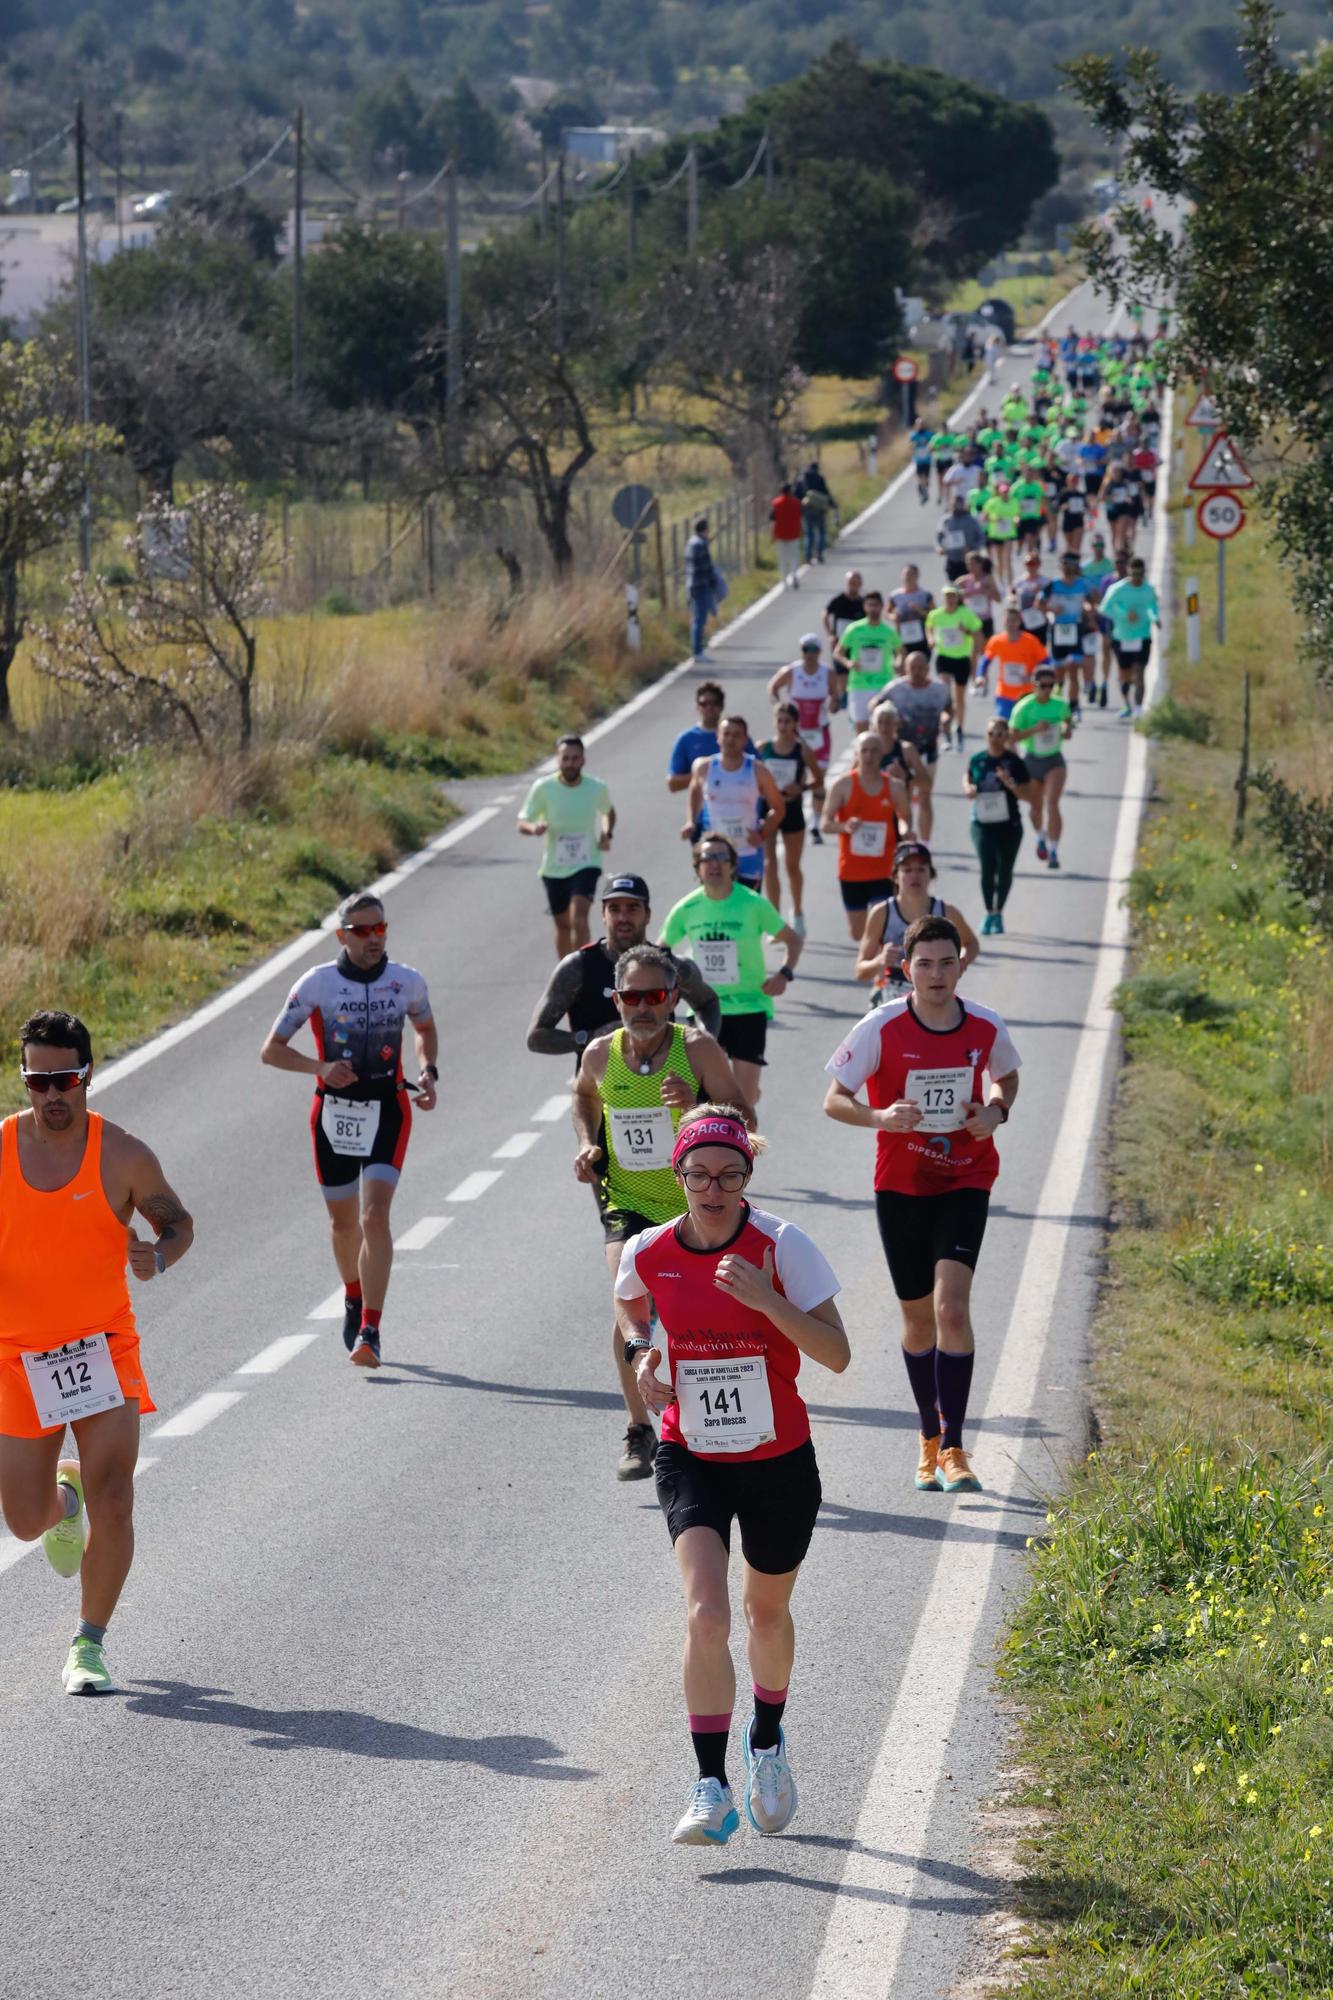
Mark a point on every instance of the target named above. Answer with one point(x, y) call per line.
point(634, 508)
point(1221, 515)
point(1221, 593)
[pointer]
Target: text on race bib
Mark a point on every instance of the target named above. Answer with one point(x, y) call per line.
point(954, 538)
point(77, 1380)
point(783, 770)
point(813, 739)
point(1034, 619)
point(948, 638)
point(725, 1405)
point(1046, 740)
point(870, 659)
point(717, 960)
point(911, 631)
point(943, 1095)
point(1065, 632)
point(573, 850)
point(643, 1139)
point(1131, 645)
point(869, 838)
point(991, 808)
point(350, 1128)
point(734, 830)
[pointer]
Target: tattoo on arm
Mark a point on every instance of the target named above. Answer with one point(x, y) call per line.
point(545, 1035)
point(163, 1211)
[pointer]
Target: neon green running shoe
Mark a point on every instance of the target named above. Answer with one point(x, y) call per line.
point(64, 1543)
point(85, 1670)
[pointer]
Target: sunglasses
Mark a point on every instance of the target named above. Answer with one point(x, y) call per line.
point(642, 996)
point(42, 1080)
point(365, 930)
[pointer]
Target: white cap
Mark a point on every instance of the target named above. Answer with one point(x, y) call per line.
point(812, 643)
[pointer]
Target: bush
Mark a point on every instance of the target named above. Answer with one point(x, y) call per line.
point(1300, 825)
point(1169, 718)
point(1246, 1265)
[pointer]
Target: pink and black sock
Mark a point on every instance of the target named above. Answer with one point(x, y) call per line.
point(768, 1706)
point(709, 1734)
point(921, 1375)
point(953, 1383)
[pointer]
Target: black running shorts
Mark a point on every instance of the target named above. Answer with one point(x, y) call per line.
point(919, 1231)
point(774, 1501)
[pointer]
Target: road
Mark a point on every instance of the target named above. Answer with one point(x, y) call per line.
point(402, 1711)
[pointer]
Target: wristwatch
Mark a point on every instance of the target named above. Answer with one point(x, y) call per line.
point(431, 1071)
point(636, 1346)
point(998, 1104)
point(580, 1037)
point(160, 1261)
point(785, 972)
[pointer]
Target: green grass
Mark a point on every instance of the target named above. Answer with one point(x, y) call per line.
point(1173, 1656)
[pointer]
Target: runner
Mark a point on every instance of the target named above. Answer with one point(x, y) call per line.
point(573, 814)
point(981, 595)
point(1016, 654)
point(633, 1087)
point(908, 607)
point(793, 769)
point(919, 440)
point(724, 926)
point(997, 779)
point(863, 811)
point(847, 608)
point(817, 690)
point(71, 1184)
point(359, 1008)
point(1069, 601)
point(959, 534)
point(880, 958)
point(582, 987)
point(955, 636)
point(921, 1061)
point(1041, 725)
point(698, 741)
point(734, 793)
point(867, 653)
point(1131, 610)
point(741, 1296)
point(923, 706)
point(999, 513)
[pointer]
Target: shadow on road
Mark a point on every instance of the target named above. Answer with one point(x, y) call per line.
point(916, 1527)
point(522, 1392)
point(348, 1731)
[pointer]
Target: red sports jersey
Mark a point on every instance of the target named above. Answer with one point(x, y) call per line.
point(713, 1342)
point(894, 1056)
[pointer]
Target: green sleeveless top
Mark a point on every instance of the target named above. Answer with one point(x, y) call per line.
point(640, 1131)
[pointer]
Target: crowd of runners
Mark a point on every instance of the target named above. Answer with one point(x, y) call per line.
point(971, 679)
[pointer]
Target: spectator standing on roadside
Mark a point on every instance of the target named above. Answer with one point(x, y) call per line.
point(817, 503)
point(701, 586)
point(785, 515)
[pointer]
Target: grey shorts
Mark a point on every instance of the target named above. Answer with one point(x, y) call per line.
point(1041, 767)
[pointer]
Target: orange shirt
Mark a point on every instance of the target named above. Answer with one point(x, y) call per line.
point(867, 855)
point(1017, 661)
point(62, 1255)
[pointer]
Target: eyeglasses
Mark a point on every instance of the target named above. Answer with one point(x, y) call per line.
point(365, 930)
point(731, 1179)
point(642, 996)
point(42, 1080)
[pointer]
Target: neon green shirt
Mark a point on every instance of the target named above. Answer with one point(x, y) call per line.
point(1030, 497)
point(1047, 740)
point(950, 632)
point(872, 649)
point(1000, 514)
point(726, 939)
point(573, 815)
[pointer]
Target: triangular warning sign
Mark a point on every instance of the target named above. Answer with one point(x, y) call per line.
point(1222, 469)
point(1205, 416)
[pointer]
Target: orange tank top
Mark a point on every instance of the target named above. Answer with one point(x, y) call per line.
point(877, 809)
point(62, 1255)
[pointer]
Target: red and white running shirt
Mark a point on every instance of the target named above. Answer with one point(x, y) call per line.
point(893, 1055)
point(712, 1337)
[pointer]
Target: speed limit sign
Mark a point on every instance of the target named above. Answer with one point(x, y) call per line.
point(1221, 516)
point(904, 370)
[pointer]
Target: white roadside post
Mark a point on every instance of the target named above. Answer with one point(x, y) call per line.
point(1192, 637)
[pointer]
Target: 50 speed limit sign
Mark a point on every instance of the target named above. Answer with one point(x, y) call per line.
point(1221, 516)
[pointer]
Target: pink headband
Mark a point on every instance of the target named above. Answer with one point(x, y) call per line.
point(713, 1132)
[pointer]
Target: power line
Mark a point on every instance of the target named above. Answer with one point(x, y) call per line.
point(751, 170)
point(45, 147)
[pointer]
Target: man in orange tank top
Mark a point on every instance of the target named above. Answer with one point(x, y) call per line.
point(864, 808)
point(70, 1185)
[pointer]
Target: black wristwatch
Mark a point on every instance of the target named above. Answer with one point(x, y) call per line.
point(998, 1104)
point(785, 972)
point(431, 1071)
point(633, 1347)
point(580, 1037)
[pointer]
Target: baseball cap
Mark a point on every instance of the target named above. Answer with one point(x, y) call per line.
point(911, 850)
point(627, 885)
point(812, 643)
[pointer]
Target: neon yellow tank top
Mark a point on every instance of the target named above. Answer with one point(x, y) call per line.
point(640, 1131)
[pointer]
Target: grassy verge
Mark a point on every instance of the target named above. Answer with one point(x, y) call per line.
point(1174, 1659)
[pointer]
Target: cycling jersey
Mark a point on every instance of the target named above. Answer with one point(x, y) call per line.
point(358, 1017)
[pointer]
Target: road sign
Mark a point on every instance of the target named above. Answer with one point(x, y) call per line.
point(632, 506)
point(1221, 469)
point(905, 370)
point(1221, 516)
point(1205, 415)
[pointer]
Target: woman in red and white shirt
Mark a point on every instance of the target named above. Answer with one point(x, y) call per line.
point(741, 1296)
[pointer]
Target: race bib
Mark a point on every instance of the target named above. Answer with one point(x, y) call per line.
point(1065, 633)
point(716, 959)
point(1074, 507)
point(1046, 740)
point(948, 638)
point(992, 808)
point(942, 1094)
point(734, 830)
point(350, 1128)
point(954, 539)
point(813, 739)
point(73, 1381)
point(782, 770)
point(573, 850)
point(725, 1405)
point(911, 631)
point(643, 1139)
point(1131, 645)
point(870, 660)
point(1034, 620)
point(868, 838)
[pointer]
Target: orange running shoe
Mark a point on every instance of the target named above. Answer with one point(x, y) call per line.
point(956, 1475)
point(927, 1473)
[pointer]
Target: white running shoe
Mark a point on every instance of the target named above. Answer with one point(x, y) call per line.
point(770, 1789)
point(710, 1817)
point(797, 922)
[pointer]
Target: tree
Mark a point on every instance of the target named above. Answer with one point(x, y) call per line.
point(180, 641)
point(373, 302)
point(44, 451)
point(571, 107)
point(460, 120)
point(1238, 239)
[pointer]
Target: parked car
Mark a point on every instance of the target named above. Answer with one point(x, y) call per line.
point(154, 206)
point(999, 312)
point(94, 204)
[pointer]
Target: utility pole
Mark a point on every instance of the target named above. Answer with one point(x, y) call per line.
point(453, 346)
point(542, 195)
point(85, 357)
point(402, 189)
point(560, 253)
point(298, 256)
point(630, 220)
point(692, 199)
point(120, 180)
point(768, 162)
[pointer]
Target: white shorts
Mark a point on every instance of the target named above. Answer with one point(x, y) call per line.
point(858, 703)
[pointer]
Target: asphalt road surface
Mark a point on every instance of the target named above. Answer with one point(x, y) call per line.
point(402, 1710)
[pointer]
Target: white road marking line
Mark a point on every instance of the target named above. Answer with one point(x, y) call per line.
point(277, 1354)
point(12, 1551)
point(475, 1185)
point(515, 1148)
point(186, 1422)
point(142, 1465)
point(554, 1108)
point(864, 1940)
point(331, 1307)
point(423, 1232)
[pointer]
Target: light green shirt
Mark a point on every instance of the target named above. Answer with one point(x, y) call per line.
point(950, 632)
point(573, 815)
point(726, 936)
point(871, 648)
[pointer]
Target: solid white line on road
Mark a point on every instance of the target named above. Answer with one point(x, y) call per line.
point(329, 1308)
point(474, 1186)
point(12, 1551)
point(186, 1422)
point(277, 1354)
point(423, 1232)
point(515, 1148)
point(554, 1108)
point(867, 1925)
point(142, 1465)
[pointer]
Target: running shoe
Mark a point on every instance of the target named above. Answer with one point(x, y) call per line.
point(85, 1670)
point(351, 1322)
point(1101, 695)
point(816, 836)
point(366, 1350)
point(927, 1471)
point(710, 1817)
point(998, 925)
point(956, 1475)
point(63, 1544)
point(1054, 861)
point(770, 1789)
point(1126, 712)
point(636, 1461)
point(1041, 849)
point(797, 922)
